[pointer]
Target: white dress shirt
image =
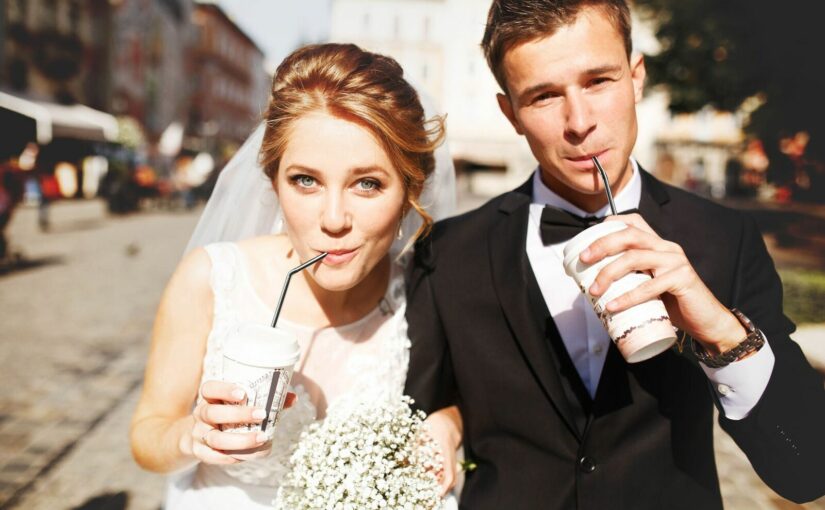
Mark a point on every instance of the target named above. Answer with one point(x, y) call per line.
point(739, 385)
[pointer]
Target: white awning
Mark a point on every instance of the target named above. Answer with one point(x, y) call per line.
point(54, 120)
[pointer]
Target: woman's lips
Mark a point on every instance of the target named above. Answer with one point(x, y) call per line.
point(338, 257)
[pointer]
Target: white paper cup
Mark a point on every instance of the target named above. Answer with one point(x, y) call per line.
point(260, 358)
point(640, 332)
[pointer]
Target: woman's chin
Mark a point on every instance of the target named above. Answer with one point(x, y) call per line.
point(337, 279)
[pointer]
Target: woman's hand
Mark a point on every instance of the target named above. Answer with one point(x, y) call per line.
point(223, 404)
point(446, 429)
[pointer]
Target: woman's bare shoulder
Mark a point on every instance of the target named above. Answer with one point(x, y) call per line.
point(194, 270)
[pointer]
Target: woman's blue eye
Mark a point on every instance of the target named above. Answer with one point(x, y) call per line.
point(368, 184)
point(304, 180)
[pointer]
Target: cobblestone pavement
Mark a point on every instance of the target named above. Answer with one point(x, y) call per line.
point(73, 342)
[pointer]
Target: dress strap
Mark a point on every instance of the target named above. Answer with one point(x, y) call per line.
point(223, 278)
point(224, 267)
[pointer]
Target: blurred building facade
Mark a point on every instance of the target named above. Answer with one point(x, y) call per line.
point(230, 86)
point(52, 50)
point(149, 79)
point(165, 69)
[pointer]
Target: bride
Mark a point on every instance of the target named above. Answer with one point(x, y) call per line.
point(344, 163)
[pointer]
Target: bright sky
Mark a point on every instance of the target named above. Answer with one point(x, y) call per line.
point(279, 26)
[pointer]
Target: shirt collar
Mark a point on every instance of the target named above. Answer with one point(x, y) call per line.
point(628, 198)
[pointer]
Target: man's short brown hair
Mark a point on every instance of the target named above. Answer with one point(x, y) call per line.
point(511, 22)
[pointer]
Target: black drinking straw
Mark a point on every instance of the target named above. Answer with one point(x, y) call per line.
point(286, 284)
point(274, 383)
point(606, 185)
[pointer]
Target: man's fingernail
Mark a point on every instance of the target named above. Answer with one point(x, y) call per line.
point(238, 394)
point(259, 414)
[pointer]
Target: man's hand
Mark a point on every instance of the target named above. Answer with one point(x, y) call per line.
point(446, 428)
point(691, 305)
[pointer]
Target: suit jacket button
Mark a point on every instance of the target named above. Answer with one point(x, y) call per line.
point(587, 464)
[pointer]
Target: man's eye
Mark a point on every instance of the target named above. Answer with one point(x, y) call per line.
point(545, 96)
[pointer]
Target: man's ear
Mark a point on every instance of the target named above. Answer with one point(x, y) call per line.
point(507, 110)
point(638, 74)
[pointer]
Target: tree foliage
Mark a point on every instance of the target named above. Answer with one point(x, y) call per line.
point(722, 52)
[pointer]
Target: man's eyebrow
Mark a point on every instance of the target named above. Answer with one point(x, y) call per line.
point(606, 69)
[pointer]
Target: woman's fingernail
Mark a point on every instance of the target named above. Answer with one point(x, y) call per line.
point(611, 306)
point(594, 288)
point(585, 254)
point(259, 414)
point(238, 394)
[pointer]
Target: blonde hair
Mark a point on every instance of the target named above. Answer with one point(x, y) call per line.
point(345, 81)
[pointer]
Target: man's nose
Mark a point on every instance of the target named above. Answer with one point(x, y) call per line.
point(580, 118)
point(336, 217)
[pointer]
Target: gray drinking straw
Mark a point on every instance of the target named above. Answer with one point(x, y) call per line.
point(274, 383)
point(606, 186)
point(286, 283)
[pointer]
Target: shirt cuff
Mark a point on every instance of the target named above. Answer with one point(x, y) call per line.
point(741, 384)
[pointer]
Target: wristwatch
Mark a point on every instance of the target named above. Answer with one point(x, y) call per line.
point(751, 343)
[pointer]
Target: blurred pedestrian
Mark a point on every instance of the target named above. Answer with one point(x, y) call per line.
point(12, 185)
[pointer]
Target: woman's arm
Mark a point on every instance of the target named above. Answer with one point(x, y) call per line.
point(166, 433)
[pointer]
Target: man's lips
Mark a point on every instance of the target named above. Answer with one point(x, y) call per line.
point(585, 162)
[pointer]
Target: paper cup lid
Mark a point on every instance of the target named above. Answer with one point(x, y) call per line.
point(579, 243)
point(262, 346)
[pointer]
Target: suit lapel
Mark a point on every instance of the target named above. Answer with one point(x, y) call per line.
point(512, 276)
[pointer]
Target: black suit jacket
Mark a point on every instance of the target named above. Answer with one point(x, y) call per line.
point(482, 338)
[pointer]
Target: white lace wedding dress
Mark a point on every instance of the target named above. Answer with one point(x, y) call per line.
point(365, 359)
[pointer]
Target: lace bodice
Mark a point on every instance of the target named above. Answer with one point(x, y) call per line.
point(365, 359)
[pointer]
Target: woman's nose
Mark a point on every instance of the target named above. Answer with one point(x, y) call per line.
point(336, 217)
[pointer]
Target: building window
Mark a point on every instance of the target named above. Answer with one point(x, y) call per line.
point(366, 21)
point(426, 28)
point(49, 17)
point(74, 17)
point(17, 11)
point(424, 72)
point(396, 27)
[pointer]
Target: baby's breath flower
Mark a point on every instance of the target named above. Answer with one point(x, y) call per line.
point(364, 456)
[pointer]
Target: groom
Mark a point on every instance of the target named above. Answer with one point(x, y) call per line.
point(553, 416)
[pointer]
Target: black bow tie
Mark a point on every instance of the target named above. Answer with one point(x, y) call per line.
point(558, 225)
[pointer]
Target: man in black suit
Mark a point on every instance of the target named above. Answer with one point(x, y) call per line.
point(553, 415)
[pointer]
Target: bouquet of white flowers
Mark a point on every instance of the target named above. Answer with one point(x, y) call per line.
point(364, 456)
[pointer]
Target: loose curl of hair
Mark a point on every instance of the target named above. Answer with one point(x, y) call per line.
point(367, 88)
